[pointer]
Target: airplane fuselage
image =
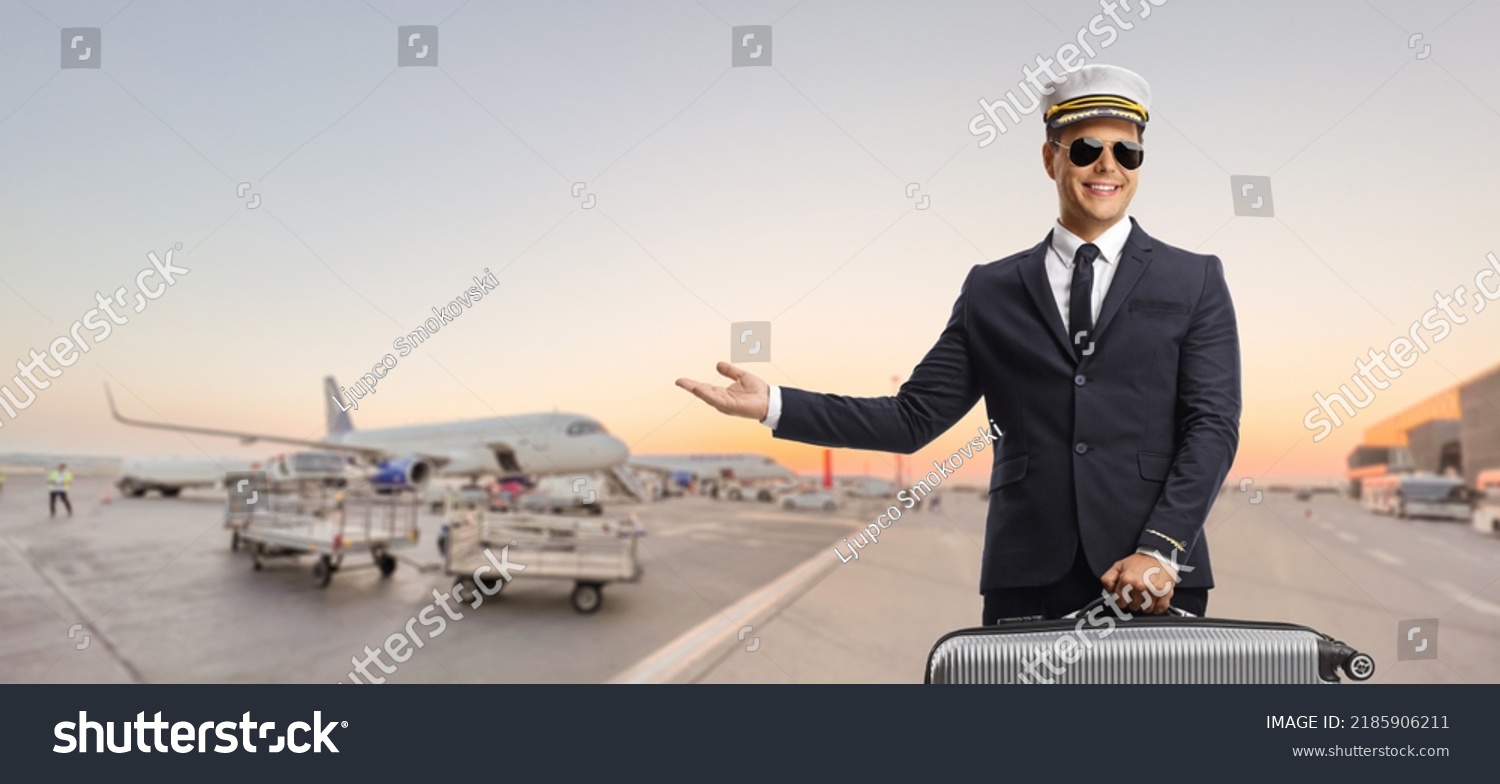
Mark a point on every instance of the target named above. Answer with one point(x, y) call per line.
point(525, 444)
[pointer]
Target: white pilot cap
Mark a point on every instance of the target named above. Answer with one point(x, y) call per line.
point(1098, 91)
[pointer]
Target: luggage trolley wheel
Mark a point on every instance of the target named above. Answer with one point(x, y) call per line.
point(588, 597)
point(323, 571)
point(234, 541)
point(259, 556)
point(386, 562)
point(491, 587)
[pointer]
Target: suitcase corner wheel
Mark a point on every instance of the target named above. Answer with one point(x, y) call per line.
point(1357, 666)
point(1155, 649)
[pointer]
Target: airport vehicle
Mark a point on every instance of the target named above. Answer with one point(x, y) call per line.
point(323, 522)
point(872, 488)
point(537, 501)
point(1378, 493)
point(436, 497)
point(407, 457)
point(1418, 495)
point(1173, 648)
point(810, 499)
point(170, 476)
point(726, 467)
point(556, 494)
point(739, 492)
point(327, 469)
point(1486, 517)
point(591, 553)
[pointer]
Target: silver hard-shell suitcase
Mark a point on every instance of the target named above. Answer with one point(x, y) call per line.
point(1173, 648)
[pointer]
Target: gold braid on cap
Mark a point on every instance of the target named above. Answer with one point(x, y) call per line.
point(1098, 102)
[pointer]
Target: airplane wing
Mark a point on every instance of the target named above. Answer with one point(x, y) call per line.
point(373, 454)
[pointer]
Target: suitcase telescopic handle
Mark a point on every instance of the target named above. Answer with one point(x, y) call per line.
point(1104, 599)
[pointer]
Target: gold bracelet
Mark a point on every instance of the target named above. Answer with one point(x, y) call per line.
point(1174, 542)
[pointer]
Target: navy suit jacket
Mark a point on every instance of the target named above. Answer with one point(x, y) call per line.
point(1124, 447)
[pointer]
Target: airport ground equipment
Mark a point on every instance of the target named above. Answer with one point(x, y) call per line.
point(591, 552)
point(1486, 517)
point(326, 523)
point(1418, 495)
point(1172, 648)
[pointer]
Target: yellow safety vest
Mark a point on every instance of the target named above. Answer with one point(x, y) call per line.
point(63, 481)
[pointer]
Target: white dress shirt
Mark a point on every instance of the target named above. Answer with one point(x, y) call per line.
point(1060, 264)
point(1060, 254)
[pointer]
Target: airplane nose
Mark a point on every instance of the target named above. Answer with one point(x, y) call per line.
point(618, 450)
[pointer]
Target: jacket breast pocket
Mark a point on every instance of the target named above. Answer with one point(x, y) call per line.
point(1154, 465)
point(1007, 471)
point(1159, 307)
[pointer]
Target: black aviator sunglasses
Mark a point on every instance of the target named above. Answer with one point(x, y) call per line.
point(1086, 149)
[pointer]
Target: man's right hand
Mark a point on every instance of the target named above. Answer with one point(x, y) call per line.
point(748, 396)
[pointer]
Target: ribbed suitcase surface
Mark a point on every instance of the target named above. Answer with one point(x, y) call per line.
point(1146, 649)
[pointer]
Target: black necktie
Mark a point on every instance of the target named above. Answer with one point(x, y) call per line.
point(1081, 299)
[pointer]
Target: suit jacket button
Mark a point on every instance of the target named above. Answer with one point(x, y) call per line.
point(1079, 380)
point(1080, 447)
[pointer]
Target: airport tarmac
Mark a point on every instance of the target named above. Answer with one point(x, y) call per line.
point(163, 599)
point(1324, 563)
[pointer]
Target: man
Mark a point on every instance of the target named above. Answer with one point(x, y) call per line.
point(1109, 362)
point(58, 484)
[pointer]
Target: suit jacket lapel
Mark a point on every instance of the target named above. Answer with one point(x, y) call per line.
point(1134, 259)
point(1033, 271)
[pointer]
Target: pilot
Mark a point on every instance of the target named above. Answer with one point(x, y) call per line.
point(1109, 361)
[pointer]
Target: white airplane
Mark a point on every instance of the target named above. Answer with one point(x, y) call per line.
point(523, 445)
point(715, 466)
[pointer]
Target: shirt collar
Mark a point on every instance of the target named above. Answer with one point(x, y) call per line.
point(1111, 243)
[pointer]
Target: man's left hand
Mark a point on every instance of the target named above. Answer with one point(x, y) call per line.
point(1150, 585)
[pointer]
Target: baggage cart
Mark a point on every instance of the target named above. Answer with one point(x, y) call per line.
point(591, 552)
point(328, 524)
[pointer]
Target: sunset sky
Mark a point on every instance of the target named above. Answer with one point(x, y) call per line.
point(720, 195)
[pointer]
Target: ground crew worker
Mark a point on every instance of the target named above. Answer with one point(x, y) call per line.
point(58, 484)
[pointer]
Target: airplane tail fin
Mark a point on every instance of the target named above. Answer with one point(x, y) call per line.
point(337, 407)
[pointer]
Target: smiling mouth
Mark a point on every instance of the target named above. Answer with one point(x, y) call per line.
point(1103, 189)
